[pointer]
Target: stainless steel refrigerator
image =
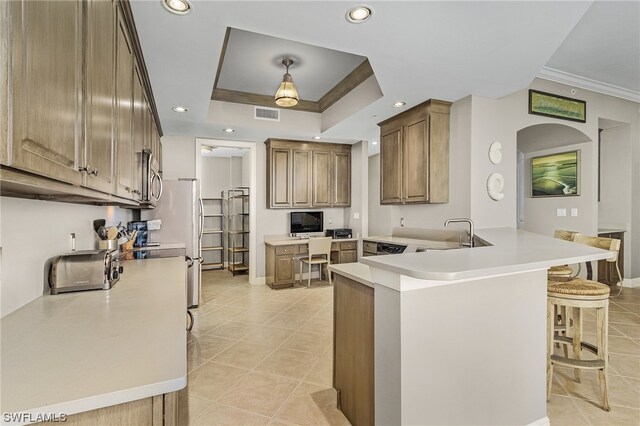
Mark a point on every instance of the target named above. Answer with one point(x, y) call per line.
point(181, 215)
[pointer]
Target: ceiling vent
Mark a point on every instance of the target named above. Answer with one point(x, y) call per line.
point(264, 113)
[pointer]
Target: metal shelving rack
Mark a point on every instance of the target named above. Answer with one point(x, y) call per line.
point(237, 223)
point(212, 235)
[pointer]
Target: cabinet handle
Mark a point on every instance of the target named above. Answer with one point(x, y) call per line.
point(338, 402)
point(88, 170)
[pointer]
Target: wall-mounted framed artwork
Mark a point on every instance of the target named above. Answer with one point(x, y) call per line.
point(556, 175)
point(556, 106)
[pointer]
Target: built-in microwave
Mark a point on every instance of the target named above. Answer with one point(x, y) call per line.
point(151, 180)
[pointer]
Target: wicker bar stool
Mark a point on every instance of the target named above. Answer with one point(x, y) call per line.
point(562, 270)
point(570, 296)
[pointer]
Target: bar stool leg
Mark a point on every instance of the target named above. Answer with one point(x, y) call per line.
point(550, 333)
point(576, 334)
point(602, 334)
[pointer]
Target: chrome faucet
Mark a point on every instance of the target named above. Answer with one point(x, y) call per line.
point(471, 229)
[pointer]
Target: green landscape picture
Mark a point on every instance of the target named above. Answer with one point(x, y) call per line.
point(556, 106)
point(555, 175)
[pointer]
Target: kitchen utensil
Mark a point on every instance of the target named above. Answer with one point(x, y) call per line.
point(102, 233)
point(98, 223)
point(112, 233)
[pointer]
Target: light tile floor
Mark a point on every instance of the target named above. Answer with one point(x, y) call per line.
point(579, 403)
point(258, 356)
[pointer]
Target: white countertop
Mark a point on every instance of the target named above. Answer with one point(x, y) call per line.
point(80, 351)
point(356, 271)
point(512, 251)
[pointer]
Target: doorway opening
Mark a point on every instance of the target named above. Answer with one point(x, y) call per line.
point(226, 170)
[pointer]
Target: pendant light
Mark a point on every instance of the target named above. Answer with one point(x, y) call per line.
point(287, 94)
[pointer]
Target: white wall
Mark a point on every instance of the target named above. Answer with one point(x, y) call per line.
point(216, 175)
point(540, 213)
point(359, 192)
point(34, 231)
point(382, 219)
point(500, 120)
point(178, 157)
point(615, 206)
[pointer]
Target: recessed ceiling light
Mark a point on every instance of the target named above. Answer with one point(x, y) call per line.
point(316, 137)
point(180, 109)
point(228, 130)
point(179, 7)
point(399, 104)
point(374, 143)
point(359, 14)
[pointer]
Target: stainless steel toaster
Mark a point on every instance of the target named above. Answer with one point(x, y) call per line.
point(84, 270)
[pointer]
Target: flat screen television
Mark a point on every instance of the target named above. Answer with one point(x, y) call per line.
point(306, 222)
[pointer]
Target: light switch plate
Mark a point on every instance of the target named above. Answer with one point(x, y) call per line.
point(561, 212)
point(356, 215)
point(574, 212)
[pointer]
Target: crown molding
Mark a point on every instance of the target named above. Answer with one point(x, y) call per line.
point(588, 84)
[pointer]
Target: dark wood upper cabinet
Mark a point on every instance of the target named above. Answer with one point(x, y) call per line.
point(304, 175)
point(46, 61)
point(125, 109)
point(301, 184)
point(99, 158)
point(322, 178)
point(414, 155)
point(76, 113)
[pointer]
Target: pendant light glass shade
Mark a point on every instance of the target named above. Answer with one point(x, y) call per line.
point(287, 94)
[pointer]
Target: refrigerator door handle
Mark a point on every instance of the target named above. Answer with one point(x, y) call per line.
point(201, 218)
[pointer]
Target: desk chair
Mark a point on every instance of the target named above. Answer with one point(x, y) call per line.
point(319, 254)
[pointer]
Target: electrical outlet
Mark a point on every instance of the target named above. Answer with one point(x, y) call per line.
point(330, 221)
point(402, 221)
point(574, 212)
point(356, 215)
point(561, 212)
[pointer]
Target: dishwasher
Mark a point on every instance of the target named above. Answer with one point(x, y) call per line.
point(388, 248)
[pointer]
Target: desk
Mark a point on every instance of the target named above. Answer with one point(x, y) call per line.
point(281, 258)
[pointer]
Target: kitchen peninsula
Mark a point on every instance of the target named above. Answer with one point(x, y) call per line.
point(123, 348)
point(458, 336)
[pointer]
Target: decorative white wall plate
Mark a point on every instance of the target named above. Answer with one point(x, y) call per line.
point(495, 186)
point(495, 152)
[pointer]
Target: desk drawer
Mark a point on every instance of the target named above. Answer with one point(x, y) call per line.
point(303, 249)
point(370, 247)
point(349, 245)
point(285, 250)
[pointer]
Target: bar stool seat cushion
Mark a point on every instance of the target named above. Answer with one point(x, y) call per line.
point(560, 270)
point(577, 287)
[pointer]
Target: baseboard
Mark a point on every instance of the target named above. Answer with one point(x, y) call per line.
point(541, 422)
point(631, 282)
point(260, 281)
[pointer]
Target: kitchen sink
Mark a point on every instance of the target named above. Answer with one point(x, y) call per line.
point(450, 245)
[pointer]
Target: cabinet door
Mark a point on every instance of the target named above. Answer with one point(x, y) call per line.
point(353, 375)
point(322, 179)
point(415, 162)
point(348, 256)
point(391, 166)
point(438, 130)
point(280, 177)
point(284, 271)
point(124, 109)
point(100, 92)
point(301, 178)
point(137, 132)
point(341, 179)
point(47, 88)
